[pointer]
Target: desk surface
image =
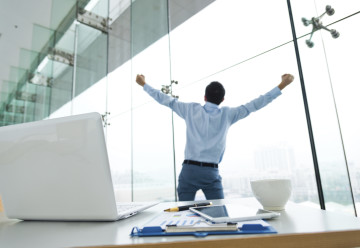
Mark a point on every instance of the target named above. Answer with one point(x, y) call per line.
point(294, 221)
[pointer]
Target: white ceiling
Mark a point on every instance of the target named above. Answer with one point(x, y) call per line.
point(16, 25)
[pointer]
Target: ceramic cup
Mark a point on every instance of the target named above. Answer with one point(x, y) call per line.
point(272, 193)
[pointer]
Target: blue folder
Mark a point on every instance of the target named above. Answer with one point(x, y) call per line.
point(148, 231)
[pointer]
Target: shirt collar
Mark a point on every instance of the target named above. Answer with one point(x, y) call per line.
point(210, 105)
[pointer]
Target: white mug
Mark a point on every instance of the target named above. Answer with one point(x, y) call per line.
point(273, 194)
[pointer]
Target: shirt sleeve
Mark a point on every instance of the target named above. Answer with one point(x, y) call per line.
point(256, 104)
point(179, 108)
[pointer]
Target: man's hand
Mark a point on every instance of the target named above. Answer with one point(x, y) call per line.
point(286, 79)
point(140, 79)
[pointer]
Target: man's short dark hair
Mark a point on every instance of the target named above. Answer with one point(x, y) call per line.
point(215, 92)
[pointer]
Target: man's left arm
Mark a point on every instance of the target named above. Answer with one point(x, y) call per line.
point(260, 102)
point(286, 79)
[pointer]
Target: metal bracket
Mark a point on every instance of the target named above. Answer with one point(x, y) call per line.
point(15, 109)
point(25, 96)
point(317, 25)
point(93, 20)
point(61, 56)
point(167, 89)
point(39, 79)
point(105, 120)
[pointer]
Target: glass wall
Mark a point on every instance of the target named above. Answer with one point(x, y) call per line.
point(217, 44)
point(246, 47)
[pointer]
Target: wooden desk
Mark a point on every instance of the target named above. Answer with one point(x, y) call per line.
point(298, 226)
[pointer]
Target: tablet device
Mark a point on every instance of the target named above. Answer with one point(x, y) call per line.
point(232, 213)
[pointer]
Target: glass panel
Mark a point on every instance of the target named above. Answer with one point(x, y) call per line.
point(24, 96)
point(28, 59)
point(14, 106)
point(328, 142)
point(42, 39)
point(63, 13)
point(223, 35)
point(43, 42)
point(63, 20)
point(119, 150)
point(264, 145)
point(17, 75)
point(91, 64)
point(30, 95)
point(42, 106)
point(120, 83)
point(152, 125)
point(62, 83)
point(119, 102)
point(8, 87)
point(13, 109)
point(153, 168)
point(98, 7)
point(91, 70)
point(149, 23)
point(27, 92)
point(3, 99)
point(119, 34)
point(343, 60)
point(119, 131)
point(180, 10)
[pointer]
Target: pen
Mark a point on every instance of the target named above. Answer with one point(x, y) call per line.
point(181, 208)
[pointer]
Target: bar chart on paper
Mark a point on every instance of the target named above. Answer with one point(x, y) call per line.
point(183, 218)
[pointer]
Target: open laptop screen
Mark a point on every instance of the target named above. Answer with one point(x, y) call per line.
point(56, 169)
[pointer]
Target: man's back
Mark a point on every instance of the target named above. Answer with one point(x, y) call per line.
point(206, 130)
point(208, 125)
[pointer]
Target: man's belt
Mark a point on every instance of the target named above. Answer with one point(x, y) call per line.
point(186, 161)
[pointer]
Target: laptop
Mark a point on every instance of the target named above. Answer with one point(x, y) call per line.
point(58, 169)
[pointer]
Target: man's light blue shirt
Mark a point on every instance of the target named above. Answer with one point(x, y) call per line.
point(208, 125)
